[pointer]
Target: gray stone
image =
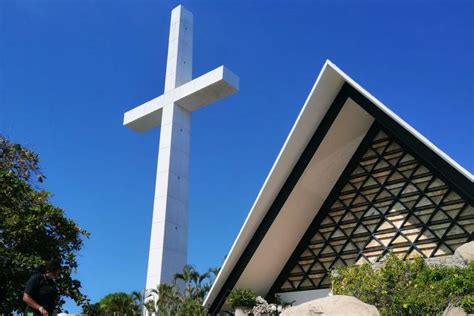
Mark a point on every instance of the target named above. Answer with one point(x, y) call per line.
point(454, 311)
point(239, 311)
point(466, 251)
point(449, 261)
point(337, 305)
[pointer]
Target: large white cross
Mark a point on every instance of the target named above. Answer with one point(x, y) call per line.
point(169, 232)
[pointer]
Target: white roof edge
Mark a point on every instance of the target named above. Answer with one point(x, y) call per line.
point(232, 256)
point(404, 124)
point(246, 232)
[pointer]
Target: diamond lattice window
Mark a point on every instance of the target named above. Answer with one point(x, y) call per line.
point(391, 202)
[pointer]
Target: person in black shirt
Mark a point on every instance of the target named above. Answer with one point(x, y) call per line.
point(41, 293)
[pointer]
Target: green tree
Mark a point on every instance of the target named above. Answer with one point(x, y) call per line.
point(32, 230)
point(164, 300)
point(119, 303)
point(92, 309)
point(139, 298)
point(195, 284)
point(184, 296)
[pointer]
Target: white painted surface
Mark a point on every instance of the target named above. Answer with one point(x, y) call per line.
point(172, 110)
point(191, 96)
point(306, 198)
point(179, 65)
point(169, 232)
point(328, 83)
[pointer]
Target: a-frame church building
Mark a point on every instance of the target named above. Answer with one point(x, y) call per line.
point(352, 182)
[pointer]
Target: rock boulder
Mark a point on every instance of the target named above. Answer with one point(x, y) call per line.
point(454, 311)
point(466, 251)
point(337, 305)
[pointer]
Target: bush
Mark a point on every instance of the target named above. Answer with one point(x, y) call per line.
point(467, 303)
point(242, 298)
point(407, 287)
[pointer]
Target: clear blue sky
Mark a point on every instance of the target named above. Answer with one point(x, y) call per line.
point(70, 69)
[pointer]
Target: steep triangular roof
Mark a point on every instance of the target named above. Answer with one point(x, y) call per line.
point(334, 120)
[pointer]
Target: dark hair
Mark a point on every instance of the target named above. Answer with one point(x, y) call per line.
point(52, 265)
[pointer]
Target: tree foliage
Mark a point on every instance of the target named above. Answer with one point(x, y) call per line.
point(184, 296)
point(407, 287)
point(32, 229)
point(92, 309)
point(119, 304)
point(242, 298)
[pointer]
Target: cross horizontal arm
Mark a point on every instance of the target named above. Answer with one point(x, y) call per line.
point(192, 95)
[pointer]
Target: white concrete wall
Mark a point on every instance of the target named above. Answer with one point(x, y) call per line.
point(179, 66)
point(169, 234)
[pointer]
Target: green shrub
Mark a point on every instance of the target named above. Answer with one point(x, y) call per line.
point(407, 287)
point(242, 298)
point(467, 303)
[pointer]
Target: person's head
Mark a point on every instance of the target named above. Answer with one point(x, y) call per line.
point(53, 268)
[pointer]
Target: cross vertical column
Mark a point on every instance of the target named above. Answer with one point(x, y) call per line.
point(169, 233)
point(179, 65)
